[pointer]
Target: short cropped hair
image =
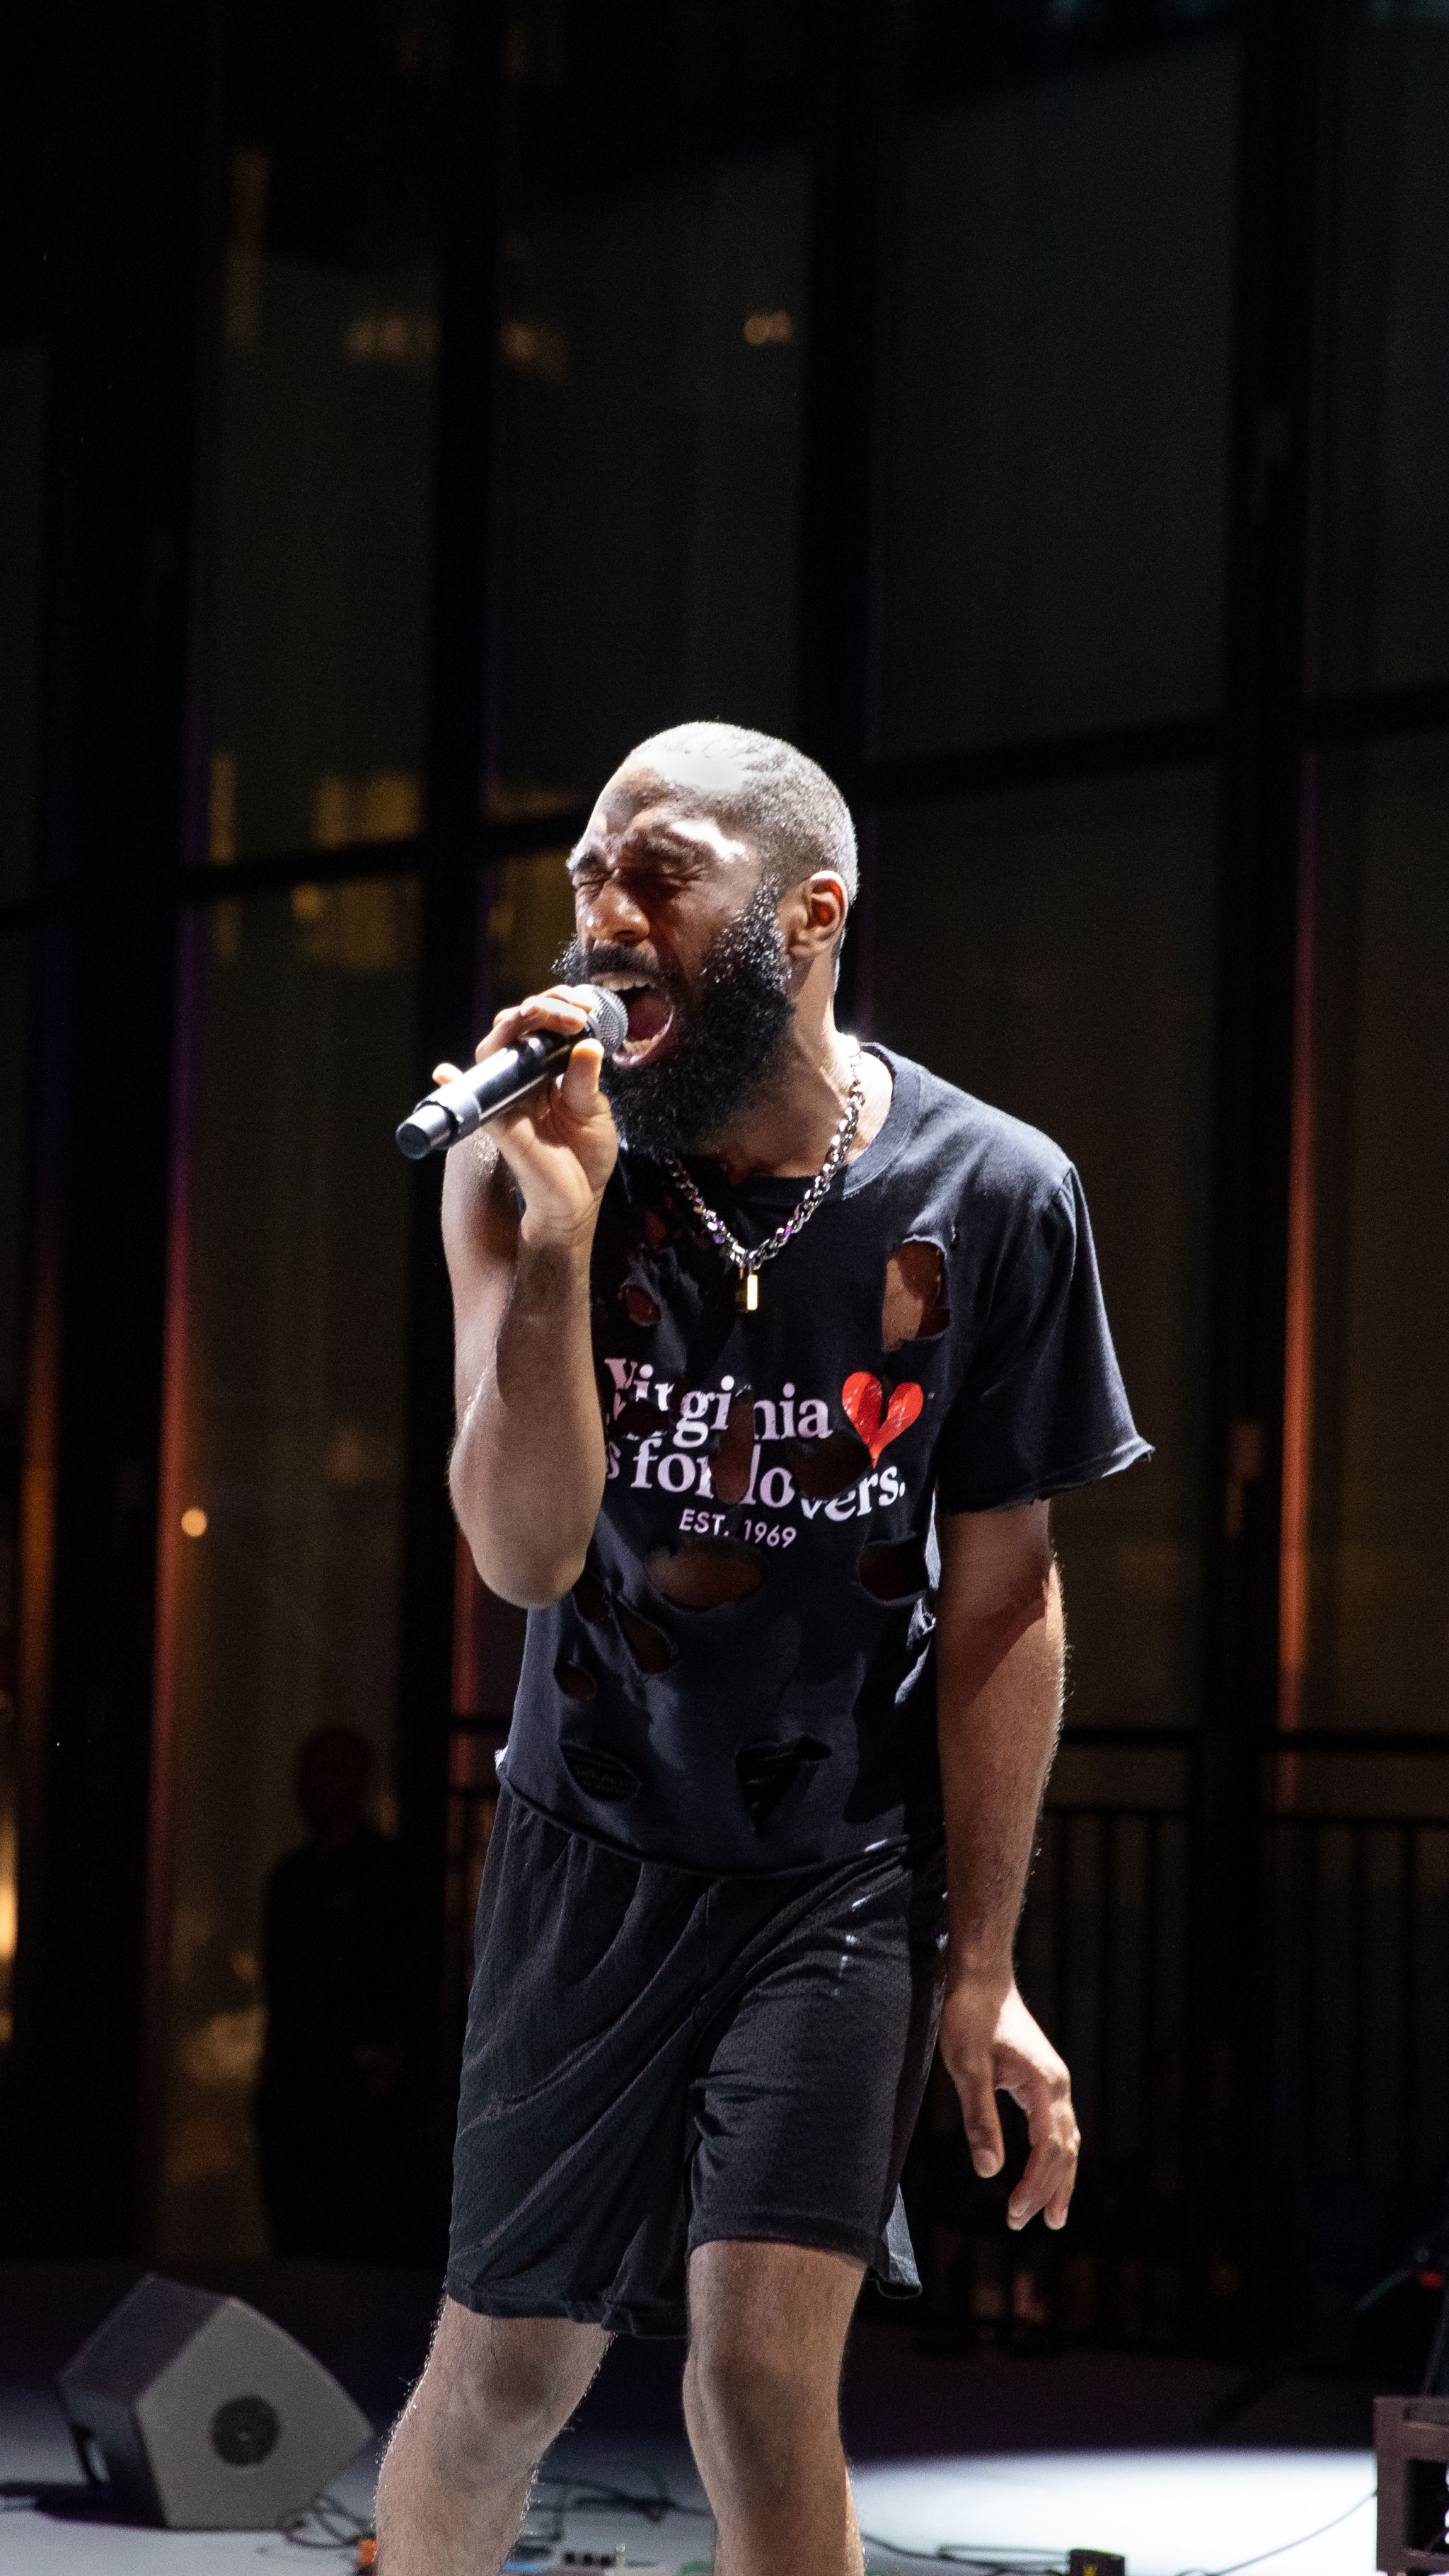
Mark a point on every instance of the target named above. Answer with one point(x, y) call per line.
point(783, 802)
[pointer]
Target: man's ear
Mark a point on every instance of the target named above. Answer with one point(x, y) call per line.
point(812, 915)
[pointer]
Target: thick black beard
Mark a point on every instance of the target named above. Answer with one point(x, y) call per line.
point(729, 1035)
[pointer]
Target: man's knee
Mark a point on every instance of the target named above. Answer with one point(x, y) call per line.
point(748, 2405)
point(767, 2332)
point(497, 2390)
point(757, 2403)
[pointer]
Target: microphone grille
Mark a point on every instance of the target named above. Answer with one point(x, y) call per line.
point(428, 1128)
point(608, 1019)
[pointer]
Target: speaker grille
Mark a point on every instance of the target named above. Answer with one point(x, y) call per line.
point(244, 2431)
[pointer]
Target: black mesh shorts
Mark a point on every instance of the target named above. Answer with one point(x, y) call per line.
point(657, 2060)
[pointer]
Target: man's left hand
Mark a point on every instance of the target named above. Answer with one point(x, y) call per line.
point(992, 2045)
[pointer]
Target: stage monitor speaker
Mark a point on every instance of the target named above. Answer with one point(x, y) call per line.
point(203, 2415)
point(1411, 2446)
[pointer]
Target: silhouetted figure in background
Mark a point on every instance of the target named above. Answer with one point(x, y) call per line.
point(329, 2103)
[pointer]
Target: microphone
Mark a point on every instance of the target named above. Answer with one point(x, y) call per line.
point(448, 1115)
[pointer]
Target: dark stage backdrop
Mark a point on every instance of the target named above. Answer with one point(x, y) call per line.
point(1042, 414)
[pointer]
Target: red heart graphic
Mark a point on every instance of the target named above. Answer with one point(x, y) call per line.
point(861, 1396)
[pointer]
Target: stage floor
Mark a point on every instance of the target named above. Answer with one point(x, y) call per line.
point(971, 2453)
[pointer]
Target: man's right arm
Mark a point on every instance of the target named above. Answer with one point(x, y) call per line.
point(527, 1472)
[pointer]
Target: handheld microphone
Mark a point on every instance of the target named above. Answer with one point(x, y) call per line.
point(448, 1115)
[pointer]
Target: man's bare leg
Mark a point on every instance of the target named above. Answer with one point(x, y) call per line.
point(462, 2458)
point(761, 2400)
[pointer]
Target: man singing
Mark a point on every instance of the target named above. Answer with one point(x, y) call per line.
point(771, 1350)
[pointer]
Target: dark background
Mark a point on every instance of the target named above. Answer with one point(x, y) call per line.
point(1041, 413)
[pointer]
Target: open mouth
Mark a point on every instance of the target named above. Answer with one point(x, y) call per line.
point(651, 1018)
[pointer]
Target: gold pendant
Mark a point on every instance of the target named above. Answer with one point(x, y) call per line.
point(747, 1294)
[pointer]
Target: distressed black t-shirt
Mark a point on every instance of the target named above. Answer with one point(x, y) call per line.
point(744, 1677)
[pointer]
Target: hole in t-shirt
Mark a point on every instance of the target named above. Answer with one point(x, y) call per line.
point(590, 1599)
point(912, 1311)
point(702, 1577)
point(825, 1467)
point(637, 1303)
point(575, 1681)
point(894, 1569)
point(650, 1648)
point(734, 1449)
point(599, 1773)
point(643, 1414)
point(769, 1770)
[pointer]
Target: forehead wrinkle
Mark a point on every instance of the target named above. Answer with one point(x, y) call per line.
point(650, 843)
point(612, 848)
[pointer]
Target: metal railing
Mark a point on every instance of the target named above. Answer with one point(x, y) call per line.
point(1103, 1961)
point(1340, 2161)
point(1356, 2061)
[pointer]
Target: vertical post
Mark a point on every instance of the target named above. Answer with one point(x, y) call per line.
point(857, 50)
point(457, 759)
point(1280, 260)
point(133, 235)
point(1298, 1335)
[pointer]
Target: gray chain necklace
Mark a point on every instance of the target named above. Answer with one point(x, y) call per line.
point(749, 1264)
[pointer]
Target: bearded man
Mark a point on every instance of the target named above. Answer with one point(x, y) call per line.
point(771, 1351)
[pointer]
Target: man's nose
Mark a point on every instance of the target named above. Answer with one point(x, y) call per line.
point(611, 915)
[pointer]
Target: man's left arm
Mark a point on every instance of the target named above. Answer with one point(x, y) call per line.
point(999, 1647)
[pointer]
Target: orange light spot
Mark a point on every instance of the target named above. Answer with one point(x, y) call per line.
point(194, 1521)
point(767, 330)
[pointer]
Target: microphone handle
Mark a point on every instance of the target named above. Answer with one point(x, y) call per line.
point(460, 1107)
point(446, 1116)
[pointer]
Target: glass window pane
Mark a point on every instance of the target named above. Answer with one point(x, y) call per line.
point(1379, 1520)
point(16, 955)
point(1052, 952)
point(284, 1440)
point(15, 963)
point(22, 538)
point(530, 920)
point(1388, 482)
point(1055, 509)
point(651, 349)
point(324, 425)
